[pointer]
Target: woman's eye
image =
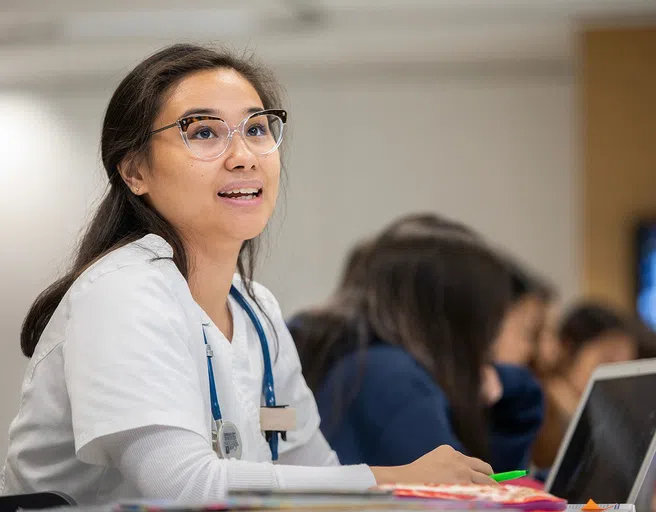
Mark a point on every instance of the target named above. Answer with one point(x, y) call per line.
point(203, 132)
point(256, 130)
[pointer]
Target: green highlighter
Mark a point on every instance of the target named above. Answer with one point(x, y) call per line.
point(510, 475)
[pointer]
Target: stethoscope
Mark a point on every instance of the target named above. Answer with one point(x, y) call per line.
point(226, 440)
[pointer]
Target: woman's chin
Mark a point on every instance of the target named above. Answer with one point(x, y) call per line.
point(243, 231)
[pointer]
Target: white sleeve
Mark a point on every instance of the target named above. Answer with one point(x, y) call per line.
point(174, 464)
point(126, 360)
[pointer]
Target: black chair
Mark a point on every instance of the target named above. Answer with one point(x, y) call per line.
point(35, 501)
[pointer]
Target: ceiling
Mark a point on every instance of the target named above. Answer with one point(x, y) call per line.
point(42, 39)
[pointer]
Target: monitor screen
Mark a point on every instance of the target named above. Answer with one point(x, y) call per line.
point(610, 441)
point(646, 273)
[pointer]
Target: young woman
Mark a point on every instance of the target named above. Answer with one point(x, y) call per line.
point(157, 351)
point(400, 358)
point(523, 328)
point(590, 334)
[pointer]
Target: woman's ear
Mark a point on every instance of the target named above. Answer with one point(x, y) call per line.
point(133, 175)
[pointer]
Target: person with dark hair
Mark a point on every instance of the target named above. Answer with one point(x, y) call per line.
point(646, 338)
point(356, 259)
point(400, 360)
point(590, 334)
point(156, 362)
point(356, 264)
point(522, 328)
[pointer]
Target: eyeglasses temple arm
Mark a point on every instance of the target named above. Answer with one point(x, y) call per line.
point(164, 128)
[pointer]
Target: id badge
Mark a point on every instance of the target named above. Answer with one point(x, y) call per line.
point(278, 418)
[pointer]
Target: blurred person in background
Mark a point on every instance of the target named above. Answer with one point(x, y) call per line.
point(549, 350)
point(590, 334)
point(646, 340)
point(400, 357)
point(522, 328)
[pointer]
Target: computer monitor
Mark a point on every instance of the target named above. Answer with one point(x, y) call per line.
point(646, 272)
point(611, 440)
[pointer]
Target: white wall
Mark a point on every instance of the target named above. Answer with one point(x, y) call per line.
point(494, 148)
point(491, 147)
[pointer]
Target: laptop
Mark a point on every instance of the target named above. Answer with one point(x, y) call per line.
point(611, 441)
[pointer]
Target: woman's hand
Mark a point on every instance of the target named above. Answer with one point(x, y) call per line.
point(443, 465)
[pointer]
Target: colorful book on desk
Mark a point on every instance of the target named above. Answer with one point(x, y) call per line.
point(306, 501)
point(384, 498)
point(503, 496)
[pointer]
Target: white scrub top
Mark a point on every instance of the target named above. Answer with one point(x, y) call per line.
point(125, 350)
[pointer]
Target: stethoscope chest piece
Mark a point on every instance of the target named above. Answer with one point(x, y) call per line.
point(226, 440)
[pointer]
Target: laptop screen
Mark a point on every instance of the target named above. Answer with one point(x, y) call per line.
point(610, 441)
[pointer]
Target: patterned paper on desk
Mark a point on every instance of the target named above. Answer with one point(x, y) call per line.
point(507, 496)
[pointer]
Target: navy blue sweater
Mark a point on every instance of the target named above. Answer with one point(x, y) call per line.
point(396, 412)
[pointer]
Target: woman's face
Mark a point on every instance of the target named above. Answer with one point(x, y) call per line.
point(227, 199)
point(550, 350)
point(520, 330)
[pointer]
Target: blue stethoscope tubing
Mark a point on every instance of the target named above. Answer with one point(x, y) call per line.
point(267, 382)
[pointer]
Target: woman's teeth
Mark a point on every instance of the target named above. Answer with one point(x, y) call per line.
point(243, 194)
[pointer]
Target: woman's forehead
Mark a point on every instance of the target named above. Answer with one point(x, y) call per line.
point(222, 90)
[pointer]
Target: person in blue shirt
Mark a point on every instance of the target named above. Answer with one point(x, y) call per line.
point(400, 357)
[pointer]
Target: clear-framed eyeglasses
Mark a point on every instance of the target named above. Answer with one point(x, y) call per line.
point(208, 137)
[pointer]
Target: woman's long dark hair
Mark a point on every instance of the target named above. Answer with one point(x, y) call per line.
point(432, 288)
point(122, 217)
point(587, 321)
